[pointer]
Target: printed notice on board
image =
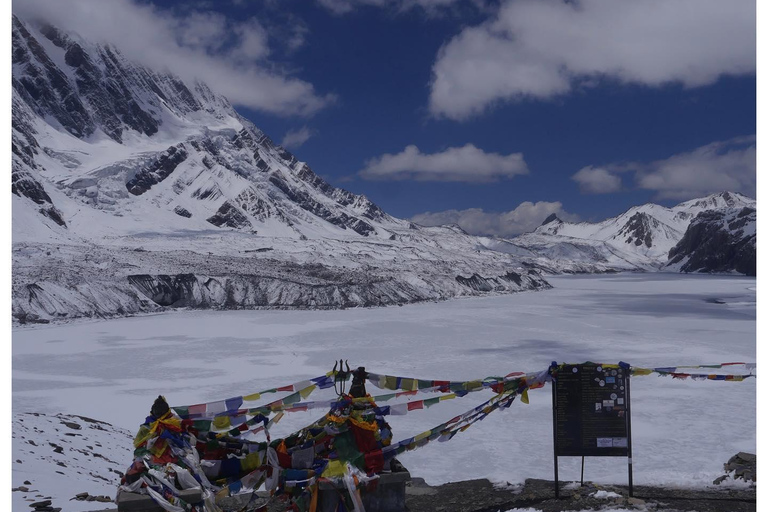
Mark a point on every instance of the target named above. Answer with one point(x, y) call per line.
point(591, 410)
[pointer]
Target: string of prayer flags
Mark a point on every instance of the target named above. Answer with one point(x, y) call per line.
point(394, 383)
point(675, 373)
point(234, 404)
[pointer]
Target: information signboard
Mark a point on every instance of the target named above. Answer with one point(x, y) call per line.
point(591, 404)
point(591, 415)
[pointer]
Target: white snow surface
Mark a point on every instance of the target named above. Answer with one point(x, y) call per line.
point(683, 430)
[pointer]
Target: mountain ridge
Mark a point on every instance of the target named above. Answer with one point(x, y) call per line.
point(640, 238)
point(134, 191)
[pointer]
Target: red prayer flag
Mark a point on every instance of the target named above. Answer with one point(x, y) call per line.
point(419, 404)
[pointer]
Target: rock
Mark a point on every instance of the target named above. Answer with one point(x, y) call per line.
point(80, 496)
point(27, 482)
point(748, 457)
point(24, 488)
point(72, 425)
point(38, 504)
point(636, 502)
point(104, 499)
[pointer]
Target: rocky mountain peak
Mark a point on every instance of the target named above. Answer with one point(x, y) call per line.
point(212, 165)
point(551, 218)
point(639, 229)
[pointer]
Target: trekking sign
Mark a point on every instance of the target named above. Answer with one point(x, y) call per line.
point(591, 413)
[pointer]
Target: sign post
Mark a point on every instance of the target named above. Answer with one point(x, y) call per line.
point(591, 413)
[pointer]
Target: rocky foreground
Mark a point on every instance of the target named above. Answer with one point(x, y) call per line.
point(483, 496)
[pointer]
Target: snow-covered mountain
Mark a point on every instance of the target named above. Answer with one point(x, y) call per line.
point(642, 238)
point(133, 190)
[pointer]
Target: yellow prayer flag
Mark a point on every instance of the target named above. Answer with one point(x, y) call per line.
point(334, 469)
point(421, 436)
point(307, 391)
point(524, 397)
point(251, 398)
point(221, 422)
point(474, 384)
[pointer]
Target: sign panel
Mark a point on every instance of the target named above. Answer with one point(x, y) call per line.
point(591, 411)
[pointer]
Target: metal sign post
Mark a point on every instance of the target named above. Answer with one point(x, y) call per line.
point(591, 413)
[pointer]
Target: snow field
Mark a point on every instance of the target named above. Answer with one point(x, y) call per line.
point(683, 431)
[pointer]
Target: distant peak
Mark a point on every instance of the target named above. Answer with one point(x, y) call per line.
point(552, 218)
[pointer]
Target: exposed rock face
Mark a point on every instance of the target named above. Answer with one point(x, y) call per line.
point(181, 211)
point(230, 217)
point(638, 229)
point(719, 241)
point(23, 184)
point(159, 170)
point(551, 218)
point(498, 284)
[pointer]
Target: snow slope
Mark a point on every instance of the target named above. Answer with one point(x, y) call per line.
point(61, 456)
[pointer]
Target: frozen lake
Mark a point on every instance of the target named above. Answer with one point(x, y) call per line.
point(683, 431)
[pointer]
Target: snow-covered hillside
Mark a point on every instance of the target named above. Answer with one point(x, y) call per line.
point(73, 462)
point(134, 190)
point(641, 238)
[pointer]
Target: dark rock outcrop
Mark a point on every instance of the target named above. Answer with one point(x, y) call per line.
point(719, 241)
point(24, 185)
point(551, 218)
point(157, 171)
point(181, 211)
point(229, 216)
point(638, 229)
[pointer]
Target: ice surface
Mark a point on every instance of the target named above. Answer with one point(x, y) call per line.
point(683, 431)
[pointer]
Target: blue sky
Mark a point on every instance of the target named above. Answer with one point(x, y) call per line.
point(492, 114)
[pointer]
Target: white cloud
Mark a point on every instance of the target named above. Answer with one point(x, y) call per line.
point(467, 164)
point(254, 41)
point(196, 45)
point(475, 221)
point(597, 180)
point(296, 138)
point(346, 6)
point(717, 167)
point(543, 48)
